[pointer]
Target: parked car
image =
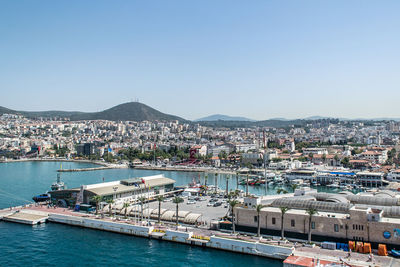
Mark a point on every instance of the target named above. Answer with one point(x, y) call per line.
point(191, 202)
point(210, 204)
point(217, 204)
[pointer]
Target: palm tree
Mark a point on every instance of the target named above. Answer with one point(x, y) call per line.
point(281, 190)
point(283, 211)
point(142, 200)
point(177, 200)
point(159, 199)
point(247, 185)
point(227, 181)
point(205, 183)
point(126, 206)
point(237, 180)
point(110, 202)
point(294, 187)
point(97, 199)
point(232, 204)
point(258, 209)
point(311, 212)
point(216, 182)
point(231, 195)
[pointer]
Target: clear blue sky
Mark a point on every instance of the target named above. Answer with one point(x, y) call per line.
point(259, 59)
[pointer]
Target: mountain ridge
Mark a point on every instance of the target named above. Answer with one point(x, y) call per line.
point(130, 111)
point(217, 117)
point(135, 111)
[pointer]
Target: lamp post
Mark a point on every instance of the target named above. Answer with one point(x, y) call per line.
point(115, 188)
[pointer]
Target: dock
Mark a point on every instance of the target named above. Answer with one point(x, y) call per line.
point(24, 217)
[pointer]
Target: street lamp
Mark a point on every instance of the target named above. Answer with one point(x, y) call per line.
point(115, 188)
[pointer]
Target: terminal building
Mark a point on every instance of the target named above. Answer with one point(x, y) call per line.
point(343, 217)
point(127, 190)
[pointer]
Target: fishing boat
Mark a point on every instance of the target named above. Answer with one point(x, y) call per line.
point(334, 185)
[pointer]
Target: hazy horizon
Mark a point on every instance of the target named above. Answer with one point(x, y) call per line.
point(258, 59)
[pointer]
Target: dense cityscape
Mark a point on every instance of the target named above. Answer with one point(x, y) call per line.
point(355, 145)
point(200, 133)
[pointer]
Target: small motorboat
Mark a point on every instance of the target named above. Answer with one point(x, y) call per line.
point(41, 198)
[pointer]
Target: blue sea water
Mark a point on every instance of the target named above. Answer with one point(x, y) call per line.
point(62, 245)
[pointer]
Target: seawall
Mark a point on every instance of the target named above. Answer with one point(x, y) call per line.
point(215, 242)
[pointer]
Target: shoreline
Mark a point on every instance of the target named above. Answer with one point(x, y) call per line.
point(103, 165)
point(115, 166)
point(181, 169)
point(55, 160)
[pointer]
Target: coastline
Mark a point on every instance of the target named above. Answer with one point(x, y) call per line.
point(240, 243)
point(103, 165)
point(55, 160)
point(106, 165)
point(182, 169)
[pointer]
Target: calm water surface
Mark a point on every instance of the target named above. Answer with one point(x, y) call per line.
point(61, 245)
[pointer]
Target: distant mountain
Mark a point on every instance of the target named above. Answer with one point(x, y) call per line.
point(317, 118)
point(220, 117)
point(135, 111)
point(132, 111)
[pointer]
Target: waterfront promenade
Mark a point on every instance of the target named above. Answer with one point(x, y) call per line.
point(242, 243)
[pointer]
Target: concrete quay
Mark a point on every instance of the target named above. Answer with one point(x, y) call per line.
point(201, 237)
point(184, 237)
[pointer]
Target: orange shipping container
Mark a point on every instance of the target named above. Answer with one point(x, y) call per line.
point(367, 248)
point(382, 251)
point(351, 245)
point(359, 247)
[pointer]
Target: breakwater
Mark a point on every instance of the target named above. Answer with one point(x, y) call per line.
point(94, 168)
point(183, 169)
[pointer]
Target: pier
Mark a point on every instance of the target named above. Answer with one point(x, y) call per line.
point(26, 218)
point(93, 169)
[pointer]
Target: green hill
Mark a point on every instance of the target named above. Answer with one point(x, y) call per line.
point(132, 111)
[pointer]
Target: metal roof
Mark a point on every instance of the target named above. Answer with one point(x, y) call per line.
point(192, 218)
point(120, 188)
point(306, 204)
point(373, 200)
point(343, 173)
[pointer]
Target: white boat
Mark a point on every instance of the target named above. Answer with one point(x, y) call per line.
point(334, 185)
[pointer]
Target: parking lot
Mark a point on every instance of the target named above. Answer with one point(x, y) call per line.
point(209, 212)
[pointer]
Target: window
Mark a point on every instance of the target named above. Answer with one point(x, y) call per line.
point(292, 223)
point(336, 227)
point(312, 225)
point(362, 227)
point(354, 227)
point(255, 218)
point(273, 220)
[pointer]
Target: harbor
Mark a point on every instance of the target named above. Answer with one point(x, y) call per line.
point(204, 230)
point(243, 244)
